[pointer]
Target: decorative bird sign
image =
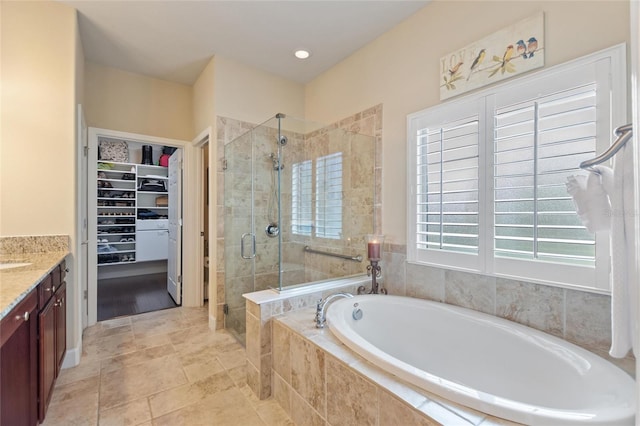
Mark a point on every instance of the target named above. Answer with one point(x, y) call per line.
point(532, 46)
point(476, 62)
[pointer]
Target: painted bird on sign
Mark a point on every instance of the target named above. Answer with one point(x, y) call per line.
point(507, 55)
point(455, 68)
point(521, 48)
point(476, 62)
point(532, 46)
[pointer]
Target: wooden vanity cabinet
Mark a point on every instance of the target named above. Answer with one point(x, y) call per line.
point(52, 324)
point(33, 342)
point(19, 364)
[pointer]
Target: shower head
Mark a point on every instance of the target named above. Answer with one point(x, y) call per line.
point(283, 140)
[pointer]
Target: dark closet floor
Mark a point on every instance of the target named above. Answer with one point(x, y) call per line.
point(133, 295)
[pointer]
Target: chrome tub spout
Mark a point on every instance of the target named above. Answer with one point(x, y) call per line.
point(321, 307)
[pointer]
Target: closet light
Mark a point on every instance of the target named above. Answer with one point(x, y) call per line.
point(302, 54)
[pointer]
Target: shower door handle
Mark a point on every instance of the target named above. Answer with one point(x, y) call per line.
point(253, 245)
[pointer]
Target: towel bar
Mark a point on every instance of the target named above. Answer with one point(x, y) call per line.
point(357, 258)
point(624, 134)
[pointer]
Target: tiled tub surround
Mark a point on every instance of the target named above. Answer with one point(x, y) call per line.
point(485, 362)
point(581, 317)
point(319, 381)
point(263, 306)
point(362, 196)
point(41, 254)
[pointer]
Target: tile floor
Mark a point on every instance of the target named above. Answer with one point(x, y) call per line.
point(159, 368)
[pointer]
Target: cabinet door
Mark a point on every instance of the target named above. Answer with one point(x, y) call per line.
point(19, 365)
point(61, 325)
point(47, 350)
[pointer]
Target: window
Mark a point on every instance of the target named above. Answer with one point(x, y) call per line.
point(301, 195)
point(487, 174)
point(328, 197)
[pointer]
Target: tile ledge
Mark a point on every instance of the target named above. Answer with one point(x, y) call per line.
point(272, 295)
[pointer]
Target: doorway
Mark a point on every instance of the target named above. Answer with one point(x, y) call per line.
point(132, 266)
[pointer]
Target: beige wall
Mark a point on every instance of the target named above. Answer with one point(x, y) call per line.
point(203, 96)
point(248, 94)
point(128, 102)
point(400, 69)
point(37, 166)
point(204, 116)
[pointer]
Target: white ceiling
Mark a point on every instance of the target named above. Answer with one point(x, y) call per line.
point(174, 40)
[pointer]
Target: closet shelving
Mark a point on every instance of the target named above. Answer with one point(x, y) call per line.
point(116, 213)
point(122, 202)
point(147, 200)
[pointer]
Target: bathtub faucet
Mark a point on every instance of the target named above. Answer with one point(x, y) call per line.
point(321, 308)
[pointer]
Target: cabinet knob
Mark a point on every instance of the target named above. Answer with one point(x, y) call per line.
point(24, 317)
point(66, 270)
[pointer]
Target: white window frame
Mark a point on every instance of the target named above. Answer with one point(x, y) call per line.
point(609, 66)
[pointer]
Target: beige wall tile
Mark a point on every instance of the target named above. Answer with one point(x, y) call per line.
point(534, 305)
point(252, 340)
point(394, 412)
point(281, 350)
point(425, 282)
point(588, 319)
point(265, 376)
point(282, 392)
point(302, 413)
point(477, 292)
point(350, 398)
point(308, 372)
point(253, 378)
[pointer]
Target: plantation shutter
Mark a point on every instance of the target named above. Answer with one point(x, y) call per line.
point(329, 196)
point(301, 197)
point(537, 145)
point(447, 186)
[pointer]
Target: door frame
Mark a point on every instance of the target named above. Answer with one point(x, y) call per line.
point(195, 215)
point(192, 263)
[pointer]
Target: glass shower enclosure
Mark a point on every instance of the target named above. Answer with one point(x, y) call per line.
point(298, 204)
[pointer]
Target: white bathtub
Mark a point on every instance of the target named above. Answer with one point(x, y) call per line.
point(484, 362)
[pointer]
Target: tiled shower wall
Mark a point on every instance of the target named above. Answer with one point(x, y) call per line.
point(581, 317)
point(360, 136)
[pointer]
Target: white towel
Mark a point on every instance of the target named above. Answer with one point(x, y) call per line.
point(590, 198)
point(624, 278)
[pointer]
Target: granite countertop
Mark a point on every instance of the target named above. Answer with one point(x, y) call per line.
point(16, 283)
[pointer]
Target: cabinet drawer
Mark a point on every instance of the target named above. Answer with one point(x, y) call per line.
point(152, 245)
point(46, 289)
point(16, 317)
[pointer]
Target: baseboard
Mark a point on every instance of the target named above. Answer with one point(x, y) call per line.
point(71, 358)
point(212, 323)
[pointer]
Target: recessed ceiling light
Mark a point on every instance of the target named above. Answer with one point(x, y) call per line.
point(302, 54)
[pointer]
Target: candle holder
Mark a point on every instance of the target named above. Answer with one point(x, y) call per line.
point(374, 254)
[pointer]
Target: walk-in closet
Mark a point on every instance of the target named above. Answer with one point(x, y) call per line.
point(132, 205)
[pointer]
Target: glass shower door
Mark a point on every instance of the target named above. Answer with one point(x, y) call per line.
point(251, 224)
point(239, 232)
